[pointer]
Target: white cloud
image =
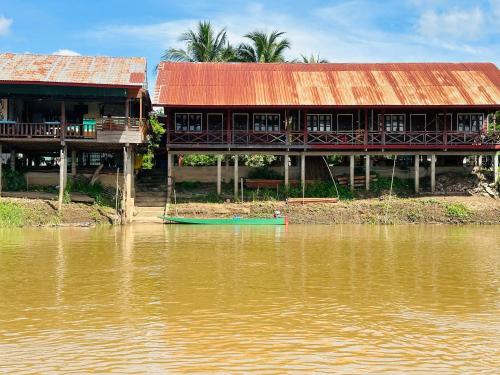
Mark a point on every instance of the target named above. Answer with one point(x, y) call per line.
point(5, 24)
point(66, 52)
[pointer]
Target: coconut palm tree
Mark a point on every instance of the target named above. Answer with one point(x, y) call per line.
point(312, 59)
point(202, 45)
point(263, 48)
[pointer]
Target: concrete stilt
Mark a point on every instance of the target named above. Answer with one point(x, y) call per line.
point(62, 168)
point(170, 175)
point(433, 173)
point(495, 168)
point(235, 177)
point(303, 172)
point(351, 172)
point(480, 161)
point(73, 163)
point(286, 161)
point(417, 173)
point(13, 155)
point(219, 174)
point(367, 172)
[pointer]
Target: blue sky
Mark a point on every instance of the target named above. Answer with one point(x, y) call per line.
point(341, 31)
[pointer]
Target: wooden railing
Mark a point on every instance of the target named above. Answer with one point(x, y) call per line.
point(71, 130)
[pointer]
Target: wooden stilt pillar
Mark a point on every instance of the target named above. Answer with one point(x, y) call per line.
point(367, 172)
point(235, 177)
point(286, 160)
point(495, 168)
point(303, 172)
point(219, 174)
point(73, 163)
point(170, 175)
point(351, 172)
point(433, 173)
point(417, 173)
point(62, 167)
point(480, 161)
point(1, 151)
point(13, 155)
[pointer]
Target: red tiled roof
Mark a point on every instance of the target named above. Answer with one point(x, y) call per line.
point(251, 84)
point(73, 70)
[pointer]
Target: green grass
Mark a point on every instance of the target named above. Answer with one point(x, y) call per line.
point(11, 215)
point(457, 211)
point(400, 186)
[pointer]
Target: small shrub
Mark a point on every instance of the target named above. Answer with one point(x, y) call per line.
point(196, 160)
point(11, 215)
point(264, 173)
point(188, 185)
point(399, 186)
point(13, 180)
point(457, 211)
point(323, 189)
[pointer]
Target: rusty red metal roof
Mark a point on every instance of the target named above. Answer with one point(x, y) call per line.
point(286, 84)
point(73, 70)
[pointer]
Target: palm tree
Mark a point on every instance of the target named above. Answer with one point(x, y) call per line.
point(202, 45)
point(264, 48)
point(313, 59)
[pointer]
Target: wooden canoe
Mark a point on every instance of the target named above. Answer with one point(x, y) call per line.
point(226, 221)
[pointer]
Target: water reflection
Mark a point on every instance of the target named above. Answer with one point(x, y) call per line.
point(307, 298)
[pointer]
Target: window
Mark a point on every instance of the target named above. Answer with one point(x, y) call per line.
point(344, 122)
point(469, 122)
point(240, 122)
point(418, 122)
point(266, 122)
point(188, 122)
point(319, 123)
point(215, 122)
point(394, 122)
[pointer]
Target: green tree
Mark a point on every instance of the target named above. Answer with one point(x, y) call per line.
point(202, 45)
point(312, 59)
point(263, 48)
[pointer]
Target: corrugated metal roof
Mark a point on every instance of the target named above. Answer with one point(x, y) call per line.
point(251, 84)
point(73, 70)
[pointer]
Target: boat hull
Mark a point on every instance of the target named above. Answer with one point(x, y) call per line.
point(230, 221)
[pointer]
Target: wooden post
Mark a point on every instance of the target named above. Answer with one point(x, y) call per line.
point(13, 156)
point(219, 174)
point(62, 167)
point(63, 121)
point(286, 160)
point(73, 163)
point(127, 111)
point(124, 190)
point(495, 168)
point(417, 173)
point(351, 172)
point(140, 110)
point(170, 167)
point(367, 172)
point(1, 170)
point(480, 161)
point(235, 177)
point(303, 172)
point(433, 173)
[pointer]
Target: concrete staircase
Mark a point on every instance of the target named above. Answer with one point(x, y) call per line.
point(150, 196)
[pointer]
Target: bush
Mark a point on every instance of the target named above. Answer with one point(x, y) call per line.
point(264, 173)
point(188, 185)
point(457, 211)
point(322, 190)
point(11, 215)
point(96, 191)
point(13, 180)
point(197, 160)
point(400, 186)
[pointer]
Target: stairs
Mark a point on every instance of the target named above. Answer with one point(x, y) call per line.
point(150, 196)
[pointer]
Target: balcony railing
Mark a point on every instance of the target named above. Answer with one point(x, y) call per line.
point(87, 130)
point(357, 138)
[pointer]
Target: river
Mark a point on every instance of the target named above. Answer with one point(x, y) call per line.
point(155, 299)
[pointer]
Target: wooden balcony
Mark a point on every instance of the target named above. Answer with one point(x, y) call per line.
point(358, 139)
point(109, 130)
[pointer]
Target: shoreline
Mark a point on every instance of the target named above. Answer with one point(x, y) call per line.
point(21, 212)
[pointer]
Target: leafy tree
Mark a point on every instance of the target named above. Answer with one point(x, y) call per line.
point(313, 59)
point(154, 139)
point(264, 48)
point(202, 45)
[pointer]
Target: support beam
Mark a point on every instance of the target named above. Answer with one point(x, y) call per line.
point(286, 161)
point(219, 174)
point(170, 175)
point(433, 173)
point(367, 172)
point(13, 156)
point(303, 172)
point(73, 163)
point(62, 167)
point(235, 177)
point(480, 161)
point(1, 151)
point(351, 172)
point(495, 168)
point(417, 173)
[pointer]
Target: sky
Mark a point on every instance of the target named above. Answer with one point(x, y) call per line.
point(339, 31)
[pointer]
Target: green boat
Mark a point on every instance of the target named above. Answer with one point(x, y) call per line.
point(231, 221)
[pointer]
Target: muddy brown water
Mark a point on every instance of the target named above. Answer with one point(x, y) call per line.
point(156, 299)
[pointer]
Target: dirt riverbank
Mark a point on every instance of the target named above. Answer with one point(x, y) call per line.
point(439, 210)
